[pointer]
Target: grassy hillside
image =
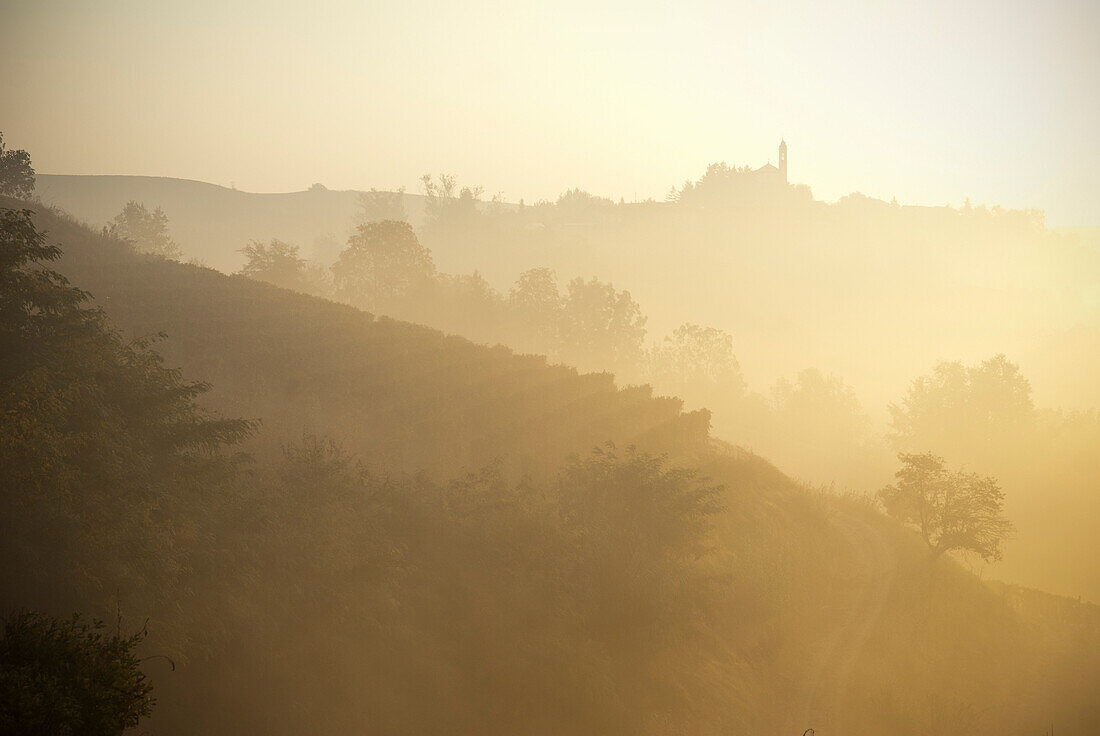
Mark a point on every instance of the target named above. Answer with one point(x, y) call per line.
point(427, 401)
point(441, 565)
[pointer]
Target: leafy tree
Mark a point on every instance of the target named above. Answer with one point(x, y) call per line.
point(602, 327)
point(952, 511)
point(279, 264)
point(977, 410)
point(146, 231)
point(643, 530)
point(536, 301)
point(95, 434)
point(382, 262)
point(697, 361)
point(70, 677)
point(446, 205)
point(16, 174)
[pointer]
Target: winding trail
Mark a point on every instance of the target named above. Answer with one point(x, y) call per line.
point(820, 698)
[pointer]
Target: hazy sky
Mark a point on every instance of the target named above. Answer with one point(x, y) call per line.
point(930, 102)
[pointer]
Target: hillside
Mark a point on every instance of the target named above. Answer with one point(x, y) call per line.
point(416, 598)
point(869, 268)
point(211, 222)
point(413, 397)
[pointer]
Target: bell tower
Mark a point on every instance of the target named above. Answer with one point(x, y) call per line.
point(783, 160)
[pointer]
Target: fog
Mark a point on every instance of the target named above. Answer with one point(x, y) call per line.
point(672, 444)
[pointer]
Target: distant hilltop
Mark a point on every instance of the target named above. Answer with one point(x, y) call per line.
point(212, 222)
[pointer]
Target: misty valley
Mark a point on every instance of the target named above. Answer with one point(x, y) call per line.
point(400, 454)
point(364, 495)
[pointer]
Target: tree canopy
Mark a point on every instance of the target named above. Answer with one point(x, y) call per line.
point(70, 677)
point(602, 327)
point(16, 173)
point(146, 231)
point(382, 261)
point(970, 410)
point(953, 511)
point(697, 361)
point(279, 263)
point(97, 432)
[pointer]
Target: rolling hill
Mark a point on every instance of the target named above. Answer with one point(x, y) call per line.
point(813, 610)
point(210, 222)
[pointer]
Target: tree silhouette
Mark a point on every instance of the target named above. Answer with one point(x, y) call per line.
point(697, 361)
point(446, 205)
point(60, 677)
point(16, 174)
point(382, 262)
point(973, 409)
point(146, 231)
point(536, 301)
point(952, 511)
point(601, 327)
point(280, 264)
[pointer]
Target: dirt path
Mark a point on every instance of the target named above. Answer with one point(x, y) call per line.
point(821, 698)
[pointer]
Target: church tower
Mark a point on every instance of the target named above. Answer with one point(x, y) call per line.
point(783, 160)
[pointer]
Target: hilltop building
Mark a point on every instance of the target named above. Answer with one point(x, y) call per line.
point(771, 173)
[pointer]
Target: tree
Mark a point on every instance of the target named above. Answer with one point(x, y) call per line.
point(70, 677)
point(979, 410)
point(146, 231)
point(279, 264)
point(16, 174)
point(642, 527)
point(537, 303)
point(601, 327)
point(95, 434)
point(952, 511)
point(382, 262)
point(446, 205)
point(698, 361)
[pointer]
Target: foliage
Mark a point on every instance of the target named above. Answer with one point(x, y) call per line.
point(355, 584)
point(644, 527)
point(278, 263)
point(602, 327)
point(953, 511)
point(146, 231)
point(447, 205)
point(972, 409)
point(697, 361)
point(16, 173)
point(382, 262)
point(95, 434)
point(61, 677)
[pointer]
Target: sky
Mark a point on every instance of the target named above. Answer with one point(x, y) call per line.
point(929, 102)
